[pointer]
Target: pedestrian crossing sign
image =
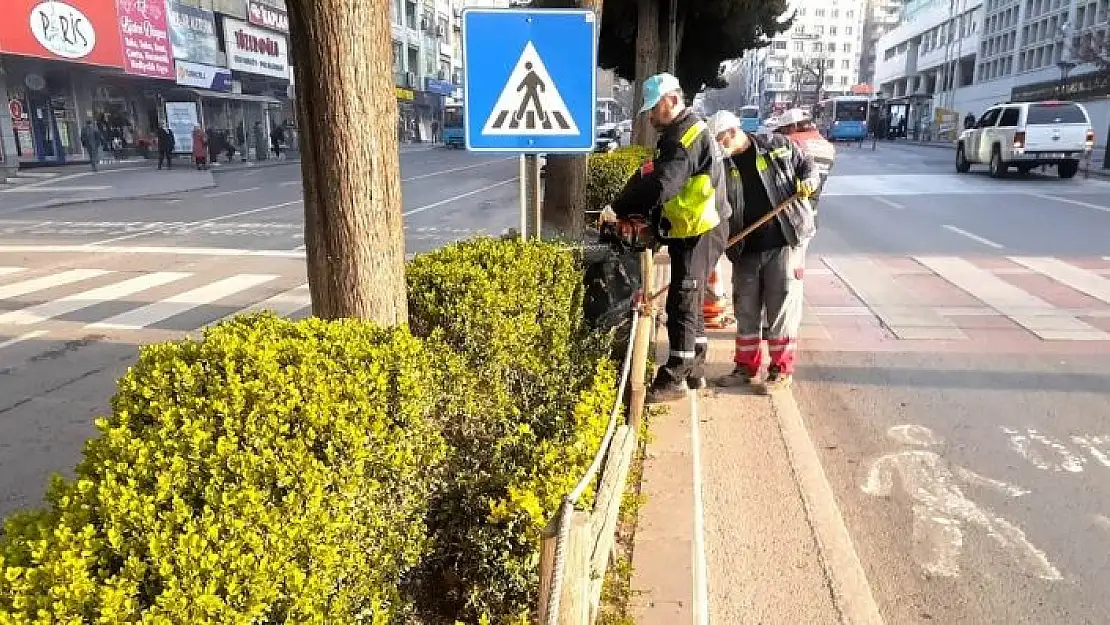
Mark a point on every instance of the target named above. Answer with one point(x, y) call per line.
point(530, 80)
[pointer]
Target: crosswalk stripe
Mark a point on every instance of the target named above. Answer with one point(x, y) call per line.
point(284, 304)
point(159, 311)
point(898, 309)
point(1081, 280)
point(1029, 311)
point(47, 282)
point(4, 271)
point(71, 303)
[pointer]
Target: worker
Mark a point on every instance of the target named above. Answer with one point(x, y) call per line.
point(766, 171)
point(797, 125)
point(683, 192)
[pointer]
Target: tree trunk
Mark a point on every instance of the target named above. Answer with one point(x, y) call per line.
point(647, 63)
point(347, 108)
point(564, 196)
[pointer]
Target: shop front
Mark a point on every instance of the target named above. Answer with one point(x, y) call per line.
point(259, 61)
point(406, 115)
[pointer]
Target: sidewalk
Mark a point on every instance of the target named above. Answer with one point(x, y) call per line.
point(77, 184)
point(739, 524)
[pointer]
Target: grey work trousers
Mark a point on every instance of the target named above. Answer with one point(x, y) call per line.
point(770, 280)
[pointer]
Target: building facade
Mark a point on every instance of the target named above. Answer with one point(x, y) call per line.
point(427, 64)
point(964, 56)
point(881, 17)
point(132, 67)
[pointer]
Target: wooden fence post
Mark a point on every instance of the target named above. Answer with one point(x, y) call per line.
point(574, 608)
point(641, 343)
point(547, 562)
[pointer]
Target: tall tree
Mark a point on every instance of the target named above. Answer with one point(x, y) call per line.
point(564, 195)
point(347, 107)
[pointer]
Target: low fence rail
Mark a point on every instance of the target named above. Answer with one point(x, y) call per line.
point(578, 543)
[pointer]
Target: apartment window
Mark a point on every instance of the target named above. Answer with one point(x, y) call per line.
point(835, 14)
point(832, 30)
point(799, 46)
point(843, 80)
point(819, 12)
point(780, 45)
point(845, 64)
point(820, 30)
point(849, 14)
point(847, 30)
point(817, 46)
point(410, 14)
point(397, 69)
point(830, 63)
point(847, 47)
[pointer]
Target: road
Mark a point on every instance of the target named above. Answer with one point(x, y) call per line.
point(81, 285)
point(959, 322)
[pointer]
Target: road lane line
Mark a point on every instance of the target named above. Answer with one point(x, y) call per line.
point(973, 237)
point(29, 189)
point(1027, 310)
point(283, 304)
point(141, 249)
point(701, 571)
point(289, 183)
point(850, 589)
point(232, 192)
point(456, 169)
point(883, 200)
point(1079, 279)
point(192, 224)
point(897, 308)
point(421, 209)
point(34, 285)
point(22, 338)
point(4, 271)
point(151, 314)
point(71, 303)
point(1097, 207)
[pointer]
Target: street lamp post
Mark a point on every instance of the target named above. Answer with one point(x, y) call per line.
point(1065, 68)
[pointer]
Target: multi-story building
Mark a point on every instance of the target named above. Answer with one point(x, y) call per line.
point(966, 55)
point(818, 57)
point(427, 63)
point(881, 17)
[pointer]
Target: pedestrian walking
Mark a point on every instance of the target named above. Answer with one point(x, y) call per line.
point(765, 172)
point(91, 140)
point(277, 135)
point(683, 191)
point(200, 148)
point(166, 144)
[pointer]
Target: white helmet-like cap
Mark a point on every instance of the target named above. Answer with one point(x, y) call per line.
point(722, 121)
point(790, 116)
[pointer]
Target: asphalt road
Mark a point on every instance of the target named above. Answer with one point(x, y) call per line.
point(957, 386)
point(83, 284)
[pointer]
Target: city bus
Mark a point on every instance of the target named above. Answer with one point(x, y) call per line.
point(843, 118)
point(453, 135)
point(749, 118)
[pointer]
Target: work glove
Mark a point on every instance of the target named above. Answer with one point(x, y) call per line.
point(607, 214)
point(806, 188)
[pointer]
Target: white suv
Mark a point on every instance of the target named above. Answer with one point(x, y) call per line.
point(1027, 135)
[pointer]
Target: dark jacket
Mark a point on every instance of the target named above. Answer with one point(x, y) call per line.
point(786, 165)
point(663, 178)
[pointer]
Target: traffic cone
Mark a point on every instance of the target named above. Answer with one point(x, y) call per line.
point(713, 308)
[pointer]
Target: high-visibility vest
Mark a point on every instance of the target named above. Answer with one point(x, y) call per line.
point(693, 211)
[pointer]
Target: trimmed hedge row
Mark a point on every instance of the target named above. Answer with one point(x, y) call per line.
point(608, 173)
point(332, 472)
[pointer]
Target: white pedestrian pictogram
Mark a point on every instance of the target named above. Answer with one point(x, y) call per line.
point(530, 103)
point(941, 510)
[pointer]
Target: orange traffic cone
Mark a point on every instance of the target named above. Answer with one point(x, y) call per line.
point(713, 308)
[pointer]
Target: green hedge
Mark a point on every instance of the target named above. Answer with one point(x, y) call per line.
point(273, 472)
point(531, 409)
point(608, 173)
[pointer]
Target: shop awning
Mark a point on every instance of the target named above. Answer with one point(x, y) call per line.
point(242, 97)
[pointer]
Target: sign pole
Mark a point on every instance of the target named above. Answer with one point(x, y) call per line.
point(535, 195)
point(523, 197)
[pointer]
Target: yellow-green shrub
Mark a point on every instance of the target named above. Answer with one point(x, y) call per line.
point(530, 399)
point(608, 173)
point(272, 472)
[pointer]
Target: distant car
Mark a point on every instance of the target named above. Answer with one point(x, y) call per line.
point(608, 138)
point(1027, 135)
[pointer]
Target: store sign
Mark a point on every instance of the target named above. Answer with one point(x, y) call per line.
point(181, 118)
point(267, 16)
point(203, 76)
point(441, 87)
point(405, 94)
point(193, 34)
point(145, 39)
point(81, 31)
point(1091, 86)
point(256, 51)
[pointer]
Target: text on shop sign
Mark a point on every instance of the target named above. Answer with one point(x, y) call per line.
point(62, 29)
point(251, 43)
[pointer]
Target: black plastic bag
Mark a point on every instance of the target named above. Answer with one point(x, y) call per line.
point(611, 280)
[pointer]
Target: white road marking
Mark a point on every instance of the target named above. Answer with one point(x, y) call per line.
point(23, 337)
point(1098, 207)
point(123, 249)
point(4, 271)
point(851, 590)
point(300, 248)
point(883, 200)
point(35, 285)
point(1043, 452)
point(701, 570)
point(283, 304)
point(1081, 280)
point(30, 189)
point(1097, 446)
point(159, 311)
point(201, 222)
point(460, 196)
point(974, 237)
point(290, 183)
point(456, 169)
point(63, 306)
point(941, 510)
point(232, 192)
point(1028, 311)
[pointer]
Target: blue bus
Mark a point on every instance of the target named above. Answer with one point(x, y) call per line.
point(453, 135)
point(749, 118)
point(843, 118)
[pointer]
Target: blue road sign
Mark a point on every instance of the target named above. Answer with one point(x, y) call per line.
point(530, 80)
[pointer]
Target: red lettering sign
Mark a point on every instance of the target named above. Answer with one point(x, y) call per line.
point(80, 31)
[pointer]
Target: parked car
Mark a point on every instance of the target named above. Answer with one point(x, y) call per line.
point(608, 138)
point(1027, 135)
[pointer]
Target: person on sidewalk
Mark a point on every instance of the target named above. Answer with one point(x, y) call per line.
point(764, 171)
point(683, 191)
point(166, 144)
point(200, 148)
point(90, 140)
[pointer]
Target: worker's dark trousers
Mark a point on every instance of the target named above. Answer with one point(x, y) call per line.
point(692, 260)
